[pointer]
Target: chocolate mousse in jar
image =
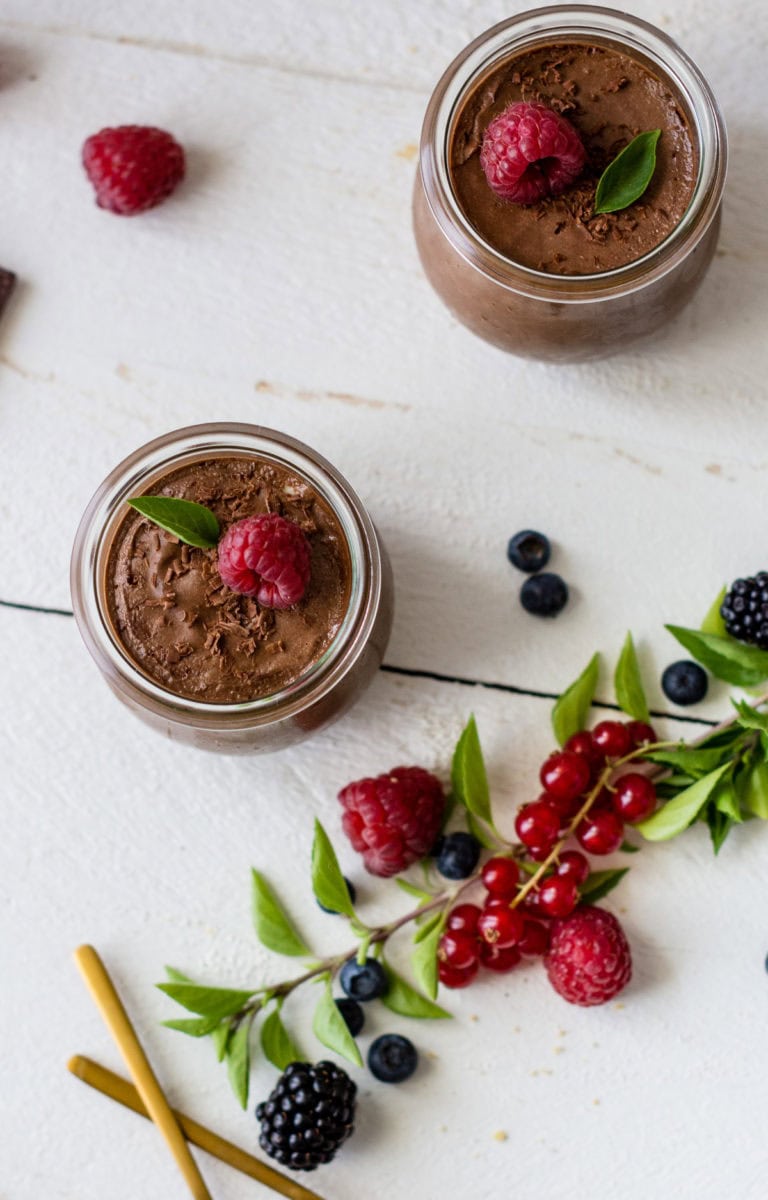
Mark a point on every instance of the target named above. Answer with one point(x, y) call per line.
point(249, 625)
point(543, 274)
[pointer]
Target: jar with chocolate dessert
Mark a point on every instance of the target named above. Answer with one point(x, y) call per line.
point(231, 588)
point(535, 229)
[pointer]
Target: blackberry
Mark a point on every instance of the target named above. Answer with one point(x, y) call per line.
point(308, 1115)
point(684, 682)
point(459, 855)
point(544, 595)
point(745, 610)
point(529, 551)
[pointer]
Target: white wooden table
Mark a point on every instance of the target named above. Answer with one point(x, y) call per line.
point(282, 286)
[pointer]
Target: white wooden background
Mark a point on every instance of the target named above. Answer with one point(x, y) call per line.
point(281, 285)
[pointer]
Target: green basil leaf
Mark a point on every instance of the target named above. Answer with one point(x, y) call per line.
point(191, 523)
point(205, 1001)
point(277, 1043)
point(753, 790)
point(412, 890)
point(676, 815)
point(238, 1056)
point(695, 763)
point(625, 179)
point(424, 960)
point(194, 1026)
point(720, 825)
point(629, 685)
point(274, 927)
point(328, 883)
point(600, 883)
point(468, 778)
point(735, 662)
point(401, 998)
point(330, 1028)
point(570, 712)
point(713, 622)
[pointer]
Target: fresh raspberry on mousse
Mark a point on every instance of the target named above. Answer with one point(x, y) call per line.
point(267, 557)
point(529, 152)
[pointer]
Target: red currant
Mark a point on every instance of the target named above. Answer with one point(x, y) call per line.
point(601, 831)
point(496, 959)
point(496, 902)
point(537, 824)
point(451, 978)
point(634, 798)
point(535, 939)
point(459, 950)
point(539, 853)
point(573, 865)
point(558, 896)
point(500, 876)
point(612, 739)
point(463, 918)
point(501, 927)
point(531, 903)
point(565, 775)
point(641, 734)
point(582, 743)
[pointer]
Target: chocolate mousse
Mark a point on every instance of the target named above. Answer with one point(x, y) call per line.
point(179, 624)
point(609, 97)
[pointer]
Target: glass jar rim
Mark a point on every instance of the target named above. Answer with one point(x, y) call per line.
point(537, 26)
point(190, 443)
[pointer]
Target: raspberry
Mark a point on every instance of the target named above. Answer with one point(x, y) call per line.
point(309, 1114)
point(529, 152)
point(745, 610)
point(589, 959)
point(393, 820)
point(266, 557)
point(132, 167)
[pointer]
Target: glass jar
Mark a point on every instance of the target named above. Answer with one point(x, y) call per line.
point(565, 318)
point(326, 688)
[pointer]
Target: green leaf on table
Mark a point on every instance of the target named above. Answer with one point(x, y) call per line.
point(328, 883)
point(727, 659)
point(693, 762)
point(720, 825)
point(726, 801)
point(194, 1026)
point(625, 178)
point(600, 883)
point(330, 1028)
point(412, 890)
point(749, 717)
point(205, 1001)
point(274, 928)
point(713, 622)
point(629, 685)
point(277, 1043)
point(401, 998)
point(627, 848)
point(468, 778)
point(479, 831)
point(426, 928)
point(177, 976)
point(191, 523)
point(424, 960)
point(570, 712)
point(238, 1056)
point(677, 814)
point(752, 786)
point(220, 1038)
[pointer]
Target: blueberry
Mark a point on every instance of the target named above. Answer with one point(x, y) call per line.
point(544, 595)
point(352, 896)
point(684, 682)
point(392, 1058)
point(528, 551)
point(354, 1017)
point(459, 855)
point(363, 981)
